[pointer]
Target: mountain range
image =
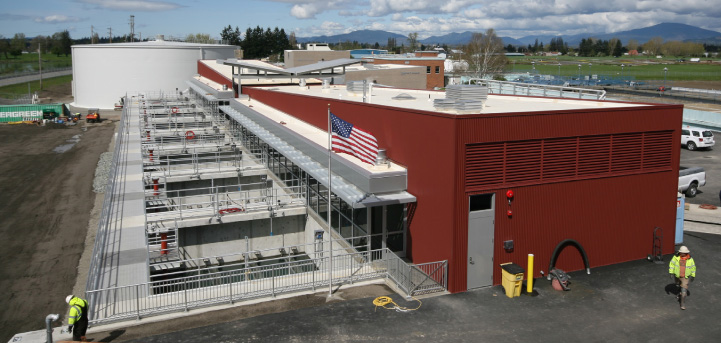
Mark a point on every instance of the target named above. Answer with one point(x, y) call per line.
point(668, 31)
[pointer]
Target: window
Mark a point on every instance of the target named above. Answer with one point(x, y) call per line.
point(695, 133)
point(428, 69)
point(438, 69)
point(481, 202)
point(707, 134)
point(685, 132)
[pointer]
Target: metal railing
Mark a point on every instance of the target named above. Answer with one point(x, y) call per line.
point(216, 201)
point(195, 163)
point(226, 287)
point(113, 199)
point(520, 88)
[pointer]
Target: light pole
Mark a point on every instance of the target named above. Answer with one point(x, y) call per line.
point(559, 70)
point(665, 70)
point(533, 65)
point(622, 65)
point(579, 73)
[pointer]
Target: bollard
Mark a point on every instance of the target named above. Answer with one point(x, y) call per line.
point(163, 243)
point(529, 275)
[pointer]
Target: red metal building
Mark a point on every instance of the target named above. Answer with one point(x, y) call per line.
point(604, 176)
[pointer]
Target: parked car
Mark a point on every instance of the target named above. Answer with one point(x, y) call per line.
point(690, 179)
point(695, 137)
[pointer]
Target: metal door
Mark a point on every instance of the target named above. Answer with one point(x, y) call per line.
point(481, 223)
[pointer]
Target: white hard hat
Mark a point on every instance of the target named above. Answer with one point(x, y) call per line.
point(68, 298)
point(683, 250)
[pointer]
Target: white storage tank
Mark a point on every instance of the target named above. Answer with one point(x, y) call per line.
point(102, 73)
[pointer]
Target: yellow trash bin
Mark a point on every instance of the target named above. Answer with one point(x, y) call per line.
point(512, 279)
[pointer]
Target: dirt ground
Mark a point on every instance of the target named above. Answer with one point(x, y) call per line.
point(44, 212)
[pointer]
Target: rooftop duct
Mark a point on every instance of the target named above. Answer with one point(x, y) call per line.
point(463, 99)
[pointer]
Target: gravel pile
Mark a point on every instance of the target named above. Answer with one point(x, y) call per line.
point(102, 172)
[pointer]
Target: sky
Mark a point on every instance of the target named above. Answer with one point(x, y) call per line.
point(511, 18)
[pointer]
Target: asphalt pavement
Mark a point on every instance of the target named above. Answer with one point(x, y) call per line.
point(710, 160)
point(628, 302)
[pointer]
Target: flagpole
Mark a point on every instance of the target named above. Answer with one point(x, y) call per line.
point(330, 227)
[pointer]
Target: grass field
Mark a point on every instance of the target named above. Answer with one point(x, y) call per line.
point(29, 63)
point(22, 88)
point(33, 58)
point(640, 68)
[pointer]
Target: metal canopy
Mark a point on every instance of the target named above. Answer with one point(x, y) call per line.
point(346, 190)
point(209, 93)
point(313, 70)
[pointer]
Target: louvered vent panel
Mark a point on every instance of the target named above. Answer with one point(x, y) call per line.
point(657, 149)
point(626, 154)
point(484, 164)
point(593, 155)
point(523, 161)
point(569, 158)
point(559, 158)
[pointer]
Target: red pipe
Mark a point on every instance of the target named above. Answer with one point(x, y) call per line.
point(148, 133)
point(155, 185)
point(151, 154)
point(163, 243)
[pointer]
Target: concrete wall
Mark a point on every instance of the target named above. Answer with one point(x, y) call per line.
point(229, 238)
point(297, 58)
point(408, 78)
point(433, 79)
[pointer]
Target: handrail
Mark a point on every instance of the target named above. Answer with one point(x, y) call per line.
point(227, 286)
point(520, 88)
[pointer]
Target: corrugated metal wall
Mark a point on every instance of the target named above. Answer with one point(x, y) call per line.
point(605, 177)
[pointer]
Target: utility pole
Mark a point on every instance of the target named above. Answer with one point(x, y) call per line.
point(92, 35)
point(132, 27)
point(40, 64)
point(110, 31)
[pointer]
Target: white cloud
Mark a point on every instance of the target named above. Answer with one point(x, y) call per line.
point(308, 9)
point(513, 18)
point(56, 19)
point(305, 11)
point(133, 5)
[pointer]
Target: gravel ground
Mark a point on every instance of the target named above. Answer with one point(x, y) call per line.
point(102, 172)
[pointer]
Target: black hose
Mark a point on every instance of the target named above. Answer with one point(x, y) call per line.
point(560, 247)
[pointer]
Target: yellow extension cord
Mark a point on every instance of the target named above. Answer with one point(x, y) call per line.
point(385, 301)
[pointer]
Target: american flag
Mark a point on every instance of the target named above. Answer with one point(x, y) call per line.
point(353, 140)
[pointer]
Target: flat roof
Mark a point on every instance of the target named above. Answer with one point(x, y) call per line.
point(423, 100)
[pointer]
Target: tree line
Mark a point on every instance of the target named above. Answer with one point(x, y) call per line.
point(59, 44)
point(258, 43)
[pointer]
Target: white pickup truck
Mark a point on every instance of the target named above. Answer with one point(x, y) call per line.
point(690, 179)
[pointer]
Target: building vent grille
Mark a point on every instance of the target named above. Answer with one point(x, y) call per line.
point(568, 158)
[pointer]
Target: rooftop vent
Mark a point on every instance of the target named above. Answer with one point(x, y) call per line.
point(403, 96)
point(463, 99)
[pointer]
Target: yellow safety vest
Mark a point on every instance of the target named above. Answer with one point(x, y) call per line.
point(675, 267)
point(77, 306)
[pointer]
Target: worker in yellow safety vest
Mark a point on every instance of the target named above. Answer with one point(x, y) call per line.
point(683, 270)
point(77, 317)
